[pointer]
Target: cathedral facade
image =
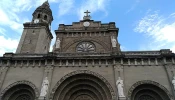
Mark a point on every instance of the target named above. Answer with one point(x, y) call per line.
point(86, 64)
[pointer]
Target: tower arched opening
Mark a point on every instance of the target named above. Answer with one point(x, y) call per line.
point(39, 16)
point(45, 17)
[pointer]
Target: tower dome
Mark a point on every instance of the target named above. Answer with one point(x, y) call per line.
point(43, 13)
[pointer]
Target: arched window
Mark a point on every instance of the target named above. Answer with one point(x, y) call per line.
point(45, 17)
point(39, 15)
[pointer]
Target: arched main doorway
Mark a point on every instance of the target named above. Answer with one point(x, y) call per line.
point(83, 85)
point(148, 90)
point(20, 91)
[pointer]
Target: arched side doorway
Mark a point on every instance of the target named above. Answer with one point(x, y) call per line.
point(21, 90)
point(82, 85)
point(148, 90)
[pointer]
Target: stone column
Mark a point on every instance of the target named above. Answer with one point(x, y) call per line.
point(48, 71)
point(3, 72)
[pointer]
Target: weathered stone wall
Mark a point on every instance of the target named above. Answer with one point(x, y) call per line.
point(34, 39)
point(154, 69)
point(97, 33)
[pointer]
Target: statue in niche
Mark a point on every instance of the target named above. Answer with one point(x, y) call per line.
point(44, 88)
point(120, 85)
point(113, 41)
point(173, 82)
point(58, 43)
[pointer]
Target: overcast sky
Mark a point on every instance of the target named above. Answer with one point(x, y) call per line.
point(143, 24)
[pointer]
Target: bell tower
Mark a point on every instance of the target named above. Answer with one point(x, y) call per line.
point(36, 36)
point(43, 14)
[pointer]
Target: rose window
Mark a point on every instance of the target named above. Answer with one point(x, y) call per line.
point(86, 47)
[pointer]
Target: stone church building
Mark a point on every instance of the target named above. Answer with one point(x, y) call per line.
point(86, 64)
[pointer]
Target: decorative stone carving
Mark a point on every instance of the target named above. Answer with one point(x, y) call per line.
point(113, 41)
point(120, 85)
point(44, 88)
point(3, 68)
point(173, 82)
point(86, 47)
point(81, 72)
point(58, 43)
point(102, 43)
point(21, 82)
point(49, 68)
point(148, 82)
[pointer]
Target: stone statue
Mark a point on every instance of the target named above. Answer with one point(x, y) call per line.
point(173, 82)
point(120, 85)
point(44, 88)
point(113, 41)
point(58, 43)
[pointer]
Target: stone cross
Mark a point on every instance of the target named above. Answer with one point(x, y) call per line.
point(87, 12)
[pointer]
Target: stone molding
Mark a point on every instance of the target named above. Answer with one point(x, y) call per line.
point(18, 83)
point(148, 82)
point(171, 66)
point(26, 62)
point(77, 26)
point(131, 54)
point(83, 72)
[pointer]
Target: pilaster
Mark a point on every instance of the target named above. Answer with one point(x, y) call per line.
point(119, 73)
point(170, 75)
point(48, 72)
point(3, 72)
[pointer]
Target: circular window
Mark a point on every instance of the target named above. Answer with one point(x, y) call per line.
point(85, 47)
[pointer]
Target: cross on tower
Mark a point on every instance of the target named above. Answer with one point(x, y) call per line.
point(87, 12)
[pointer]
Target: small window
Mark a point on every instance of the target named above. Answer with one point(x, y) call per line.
point(39, 15)
point(45, 17)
